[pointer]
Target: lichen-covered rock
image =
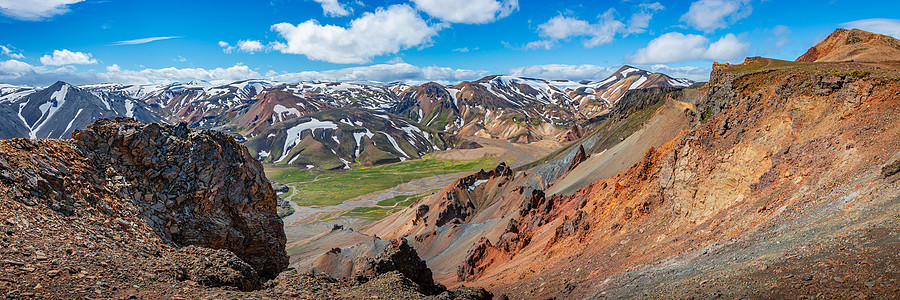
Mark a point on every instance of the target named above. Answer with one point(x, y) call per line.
point(194, 187)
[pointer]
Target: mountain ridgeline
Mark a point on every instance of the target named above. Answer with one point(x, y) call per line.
point(331, 125)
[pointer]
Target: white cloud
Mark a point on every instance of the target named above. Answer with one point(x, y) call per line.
point(172, 74)
point(250, 46)
point(333, 8)
point(595, 72)
point(545, 44)
point(14, 68)
point(34, 10)
point(403, 72)
point(676, 47)
point(9, 52)
point(17, 72)
point(889, 27)
point(709, 15)
point(468, 12)
point(693, 73)
point(570, 72)
point(641, 20)
point(66, 57)
point(383, 32)
point(563, 27)
point(144, 40)
point(226, 47)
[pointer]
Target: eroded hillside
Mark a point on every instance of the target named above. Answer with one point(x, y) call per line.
point(776, 179)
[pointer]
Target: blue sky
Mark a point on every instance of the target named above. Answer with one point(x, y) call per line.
point(139, 41)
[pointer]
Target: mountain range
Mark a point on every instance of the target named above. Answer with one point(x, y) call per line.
point(332, 125)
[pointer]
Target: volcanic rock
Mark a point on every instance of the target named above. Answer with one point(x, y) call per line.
point(218, 193)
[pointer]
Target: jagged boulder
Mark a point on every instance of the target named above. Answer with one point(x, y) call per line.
point(213, 267)
point(400, 256)
point(194, 187)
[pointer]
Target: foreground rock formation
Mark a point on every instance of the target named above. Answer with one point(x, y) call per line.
point(127, 209)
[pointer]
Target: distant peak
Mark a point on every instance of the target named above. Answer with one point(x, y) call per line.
point(853, 45)
point(626, 67)
point(60, 84)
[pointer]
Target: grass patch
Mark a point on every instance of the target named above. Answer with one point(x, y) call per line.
point(328, 188)
point(402, 201)
point(371, 213)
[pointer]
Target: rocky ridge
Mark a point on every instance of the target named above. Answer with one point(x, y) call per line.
point(132, 210)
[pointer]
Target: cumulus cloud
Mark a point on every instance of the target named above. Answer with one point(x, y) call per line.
point(595, 72)
point(402, 72)
point(676, 47)
point(333, 8)
point(468, 12)
point(227, 48)
point(172, 74)
point(641, 20)
point(250, 46)
point(13, 68)
point(383, 32)
point(889, 27)
point(709, 15)
point(563, 27)
point(693, 73)
point(66, 57)
point(34, 10)
point(9, 52)
point(144, 40)
point(17, 72)
point(558, 71)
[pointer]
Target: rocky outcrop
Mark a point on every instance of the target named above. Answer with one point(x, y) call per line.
point(577, 159)
point(457, 207)
point(573, 134)
point(194, 187)
point(477, 259)
point(401, 257)
point(212, 267)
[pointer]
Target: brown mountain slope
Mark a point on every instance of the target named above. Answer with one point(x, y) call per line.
point(778, 190)
point(854, 45)
point(791, 167)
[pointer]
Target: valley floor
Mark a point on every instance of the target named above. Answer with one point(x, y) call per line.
point(313, 218)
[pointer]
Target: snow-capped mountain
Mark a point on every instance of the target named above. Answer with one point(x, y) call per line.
point(343, 122)
point(56, 111)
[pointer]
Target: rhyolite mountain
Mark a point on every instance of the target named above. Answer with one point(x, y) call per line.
point(774, 180)
point(333, 125)
point(853, 45)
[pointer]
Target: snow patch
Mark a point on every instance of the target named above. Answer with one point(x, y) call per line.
point(476, 184)
point(294, 134)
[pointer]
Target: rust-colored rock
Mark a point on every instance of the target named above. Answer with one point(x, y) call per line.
point(853, 45)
